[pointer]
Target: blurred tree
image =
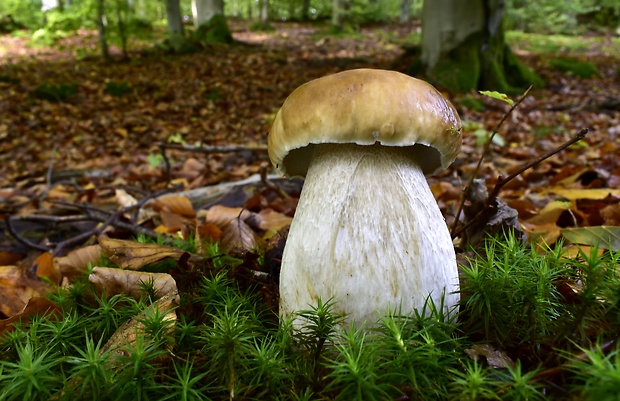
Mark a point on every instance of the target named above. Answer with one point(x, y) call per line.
point(210, 21)
point(176, 36)
point(464, 48)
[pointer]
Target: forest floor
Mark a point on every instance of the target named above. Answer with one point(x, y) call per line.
point(114, 116)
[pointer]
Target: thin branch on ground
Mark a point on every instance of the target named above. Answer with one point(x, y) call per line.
point(91, 213)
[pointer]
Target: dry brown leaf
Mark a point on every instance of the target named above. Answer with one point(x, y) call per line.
point(46, 269)
point(272, 220)
point(17, 287)
point(222, 215)
point(174, 204)
point(118, 281)
point(36, 306)
point(129, 331)
point(549, 214)
point(595, 194)
point(77, 261)
point(9, 258)
point(134, 255)
point(237, 235)
point(611, 214)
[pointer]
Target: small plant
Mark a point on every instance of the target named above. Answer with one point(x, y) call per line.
point(117, 89)
point(579, 68)
point(55, 92)
point(598, 375)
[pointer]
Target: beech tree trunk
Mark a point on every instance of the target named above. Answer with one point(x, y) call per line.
point(175, 24)
point(204, 10)
point(264, 12)
point(464, 48)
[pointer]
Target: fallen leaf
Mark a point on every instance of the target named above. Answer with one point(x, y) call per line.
point(606, 237)
point(134, 255)
point(272, 220)
point(237, 235)
point(127, 334)
point(46, 269)
point(17, 287)
point(596, 193)
point(118, 281)
point(77, 261)
point(36, 306)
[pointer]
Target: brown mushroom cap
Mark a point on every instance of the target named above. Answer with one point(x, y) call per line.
point(364, 107)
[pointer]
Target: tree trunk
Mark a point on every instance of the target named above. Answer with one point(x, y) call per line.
point(305, 10)
point(101, 26)
point(175, 24)
point(264, 12)
point(464, 48)
point(405, 11)
point(210, 21)
point(338, 14)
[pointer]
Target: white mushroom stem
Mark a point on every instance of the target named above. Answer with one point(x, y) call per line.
point(369, 234)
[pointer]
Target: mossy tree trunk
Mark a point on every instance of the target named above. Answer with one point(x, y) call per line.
point(210, 22)
point(176, 36)
point(464, 47)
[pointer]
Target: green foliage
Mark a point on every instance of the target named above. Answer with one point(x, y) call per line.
point(55, 92)
point(117, 89)
point(214, 31)
point(583, 69)
point(226, 345)
point(550, 16)
point(598, 375)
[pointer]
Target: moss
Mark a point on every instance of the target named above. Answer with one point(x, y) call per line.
point(214, 31)
point(579, 68)
point(471, 103)
point(459, 70)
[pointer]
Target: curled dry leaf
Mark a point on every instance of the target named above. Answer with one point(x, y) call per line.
point(118, 281)
point(273, 221)
point(222, 215)
point(76, 262)
point(17, 287)
point(46, 269)
point(134, 255)
point(36, 306)
point(175, 204)
point(237, 235)
point(129, 331)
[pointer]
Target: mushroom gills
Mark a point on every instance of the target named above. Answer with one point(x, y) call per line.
point(368, 234)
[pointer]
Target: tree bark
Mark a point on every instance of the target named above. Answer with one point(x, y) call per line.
point(264, 12)
point(101, 27)
point(404, 11)
point(175, 24)
point(464, 48)
point(305, 10)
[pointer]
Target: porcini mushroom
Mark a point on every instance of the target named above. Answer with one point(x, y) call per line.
point(367, 231)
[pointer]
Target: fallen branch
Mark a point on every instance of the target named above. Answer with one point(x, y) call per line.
point(92, 213)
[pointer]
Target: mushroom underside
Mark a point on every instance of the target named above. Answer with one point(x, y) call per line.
point(368, 234)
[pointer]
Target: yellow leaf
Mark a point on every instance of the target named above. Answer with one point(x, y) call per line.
point(594, 194)
point(134, 255)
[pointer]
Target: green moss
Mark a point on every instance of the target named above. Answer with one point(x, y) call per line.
point(460, 69)
point(471, 103)
point(579, 68)
point(214, 31)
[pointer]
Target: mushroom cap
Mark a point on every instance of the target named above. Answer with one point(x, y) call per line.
point(365, 106)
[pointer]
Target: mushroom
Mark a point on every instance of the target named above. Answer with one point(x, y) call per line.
point(367, 231)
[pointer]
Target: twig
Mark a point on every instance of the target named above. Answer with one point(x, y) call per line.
point(503, 181)
point(485, 151)
point(106, 218)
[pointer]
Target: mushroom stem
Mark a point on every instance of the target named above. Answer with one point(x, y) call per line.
point(369, 234)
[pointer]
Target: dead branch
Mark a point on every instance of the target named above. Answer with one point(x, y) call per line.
point(90, 213)
point(269, 184)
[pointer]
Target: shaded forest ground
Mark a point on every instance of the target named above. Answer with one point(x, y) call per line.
point(107, 128)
